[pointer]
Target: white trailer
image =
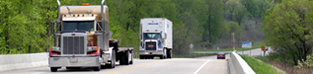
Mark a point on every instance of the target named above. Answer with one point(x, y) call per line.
point(156, 38)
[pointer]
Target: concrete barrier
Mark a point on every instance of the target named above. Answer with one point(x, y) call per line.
point(239, 66)
point(20, 61)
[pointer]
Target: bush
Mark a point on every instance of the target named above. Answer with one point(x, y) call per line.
point(308, 62)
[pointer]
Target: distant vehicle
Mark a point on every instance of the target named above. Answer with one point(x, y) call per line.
point(83, 39)
point(156, 38)
point(220, 55)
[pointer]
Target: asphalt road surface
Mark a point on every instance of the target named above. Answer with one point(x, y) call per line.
point(201, 65)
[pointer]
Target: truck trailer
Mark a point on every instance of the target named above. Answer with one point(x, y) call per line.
point(83, 39)
point(155, 38)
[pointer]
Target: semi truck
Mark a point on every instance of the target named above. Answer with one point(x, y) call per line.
point(155, 38)
point(82, 39)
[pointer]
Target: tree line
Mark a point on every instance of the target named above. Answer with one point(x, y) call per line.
point(26, 26)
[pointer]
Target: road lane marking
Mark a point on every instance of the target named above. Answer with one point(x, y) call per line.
point(201, 67)
point(136, 66)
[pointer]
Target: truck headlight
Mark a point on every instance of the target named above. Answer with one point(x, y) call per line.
point(91, 49)
point(55, 49)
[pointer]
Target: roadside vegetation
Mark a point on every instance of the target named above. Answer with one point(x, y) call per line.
point(288, 68)
point(259, 66)
point(289, 30)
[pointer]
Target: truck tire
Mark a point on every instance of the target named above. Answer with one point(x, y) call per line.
point(97, 68)
point(53, 69)
point(125, 58)
point(161, 57)
point(131, 57)
point(112, 64)
point(164, 56)
point(169, 54)
point(141, 57)
point(151, 57)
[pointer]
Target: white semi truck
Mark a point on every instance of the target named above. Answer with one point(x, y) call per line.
point(156, 38)
point(83, 39)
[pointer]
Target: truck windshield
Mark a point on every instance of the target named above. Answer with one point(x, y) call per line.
point(78, 25)
point(152, 36)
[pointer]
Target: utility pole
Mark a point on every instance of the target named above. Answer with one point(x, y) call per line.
point(233, 39)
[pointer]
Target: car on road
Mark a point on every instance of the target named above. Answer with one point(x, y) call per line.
point(220, 55)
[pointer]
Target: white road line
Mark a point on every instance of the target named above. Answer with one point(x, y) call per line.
point(201, 67)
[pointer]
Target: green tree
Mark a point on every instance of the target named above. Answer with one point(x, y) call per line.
point(214, 23)
point(235, 10)
point(288, 28)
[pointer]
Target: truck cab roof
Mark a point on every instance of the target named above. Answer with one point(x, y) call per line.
point(84, 12)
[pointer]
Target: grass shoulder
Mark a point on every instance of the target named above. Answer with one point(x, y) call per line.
point(259, 66)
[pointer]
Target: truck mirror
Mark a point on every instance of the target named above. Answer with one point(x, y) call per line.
point(139, 36)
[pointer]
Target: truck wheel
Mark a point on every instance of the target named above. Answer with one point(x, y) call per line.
point(53, 69)
point(152, 57)
point(161, 57)
point(141, 57)
point(112, 64)
point(169, 54)
point(164, 56)
point(97, 68)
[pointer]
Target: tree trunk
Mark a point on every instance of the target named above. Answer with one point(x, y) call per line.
point(29, 49)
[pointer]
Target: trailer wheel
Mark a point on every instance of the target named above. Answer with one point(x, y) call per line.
point(53, 69)
point(125, 58)
point(126, 61)
point(131, 57)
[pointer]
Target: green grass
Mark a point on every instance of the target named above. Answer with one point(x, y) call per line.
point(254, 46)
point(259, 66)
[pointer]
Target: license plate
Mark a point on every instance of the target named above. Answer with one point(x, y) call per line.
point(150, 46)
point(73, 60)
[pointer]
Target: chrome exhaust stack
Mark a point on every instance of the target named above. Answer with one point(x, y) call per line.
point(59, 14)
point(102, 15)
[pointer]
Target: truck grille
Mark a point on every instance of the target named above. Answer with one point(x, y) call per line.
point(73, 45)
point(150, 45)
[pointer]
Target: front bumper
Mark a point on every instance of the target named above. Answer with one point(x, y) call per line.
point(158, 52)
point(79, 61)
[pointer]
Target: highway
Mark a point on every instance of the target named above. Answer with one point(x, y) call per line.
point(201, 65)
